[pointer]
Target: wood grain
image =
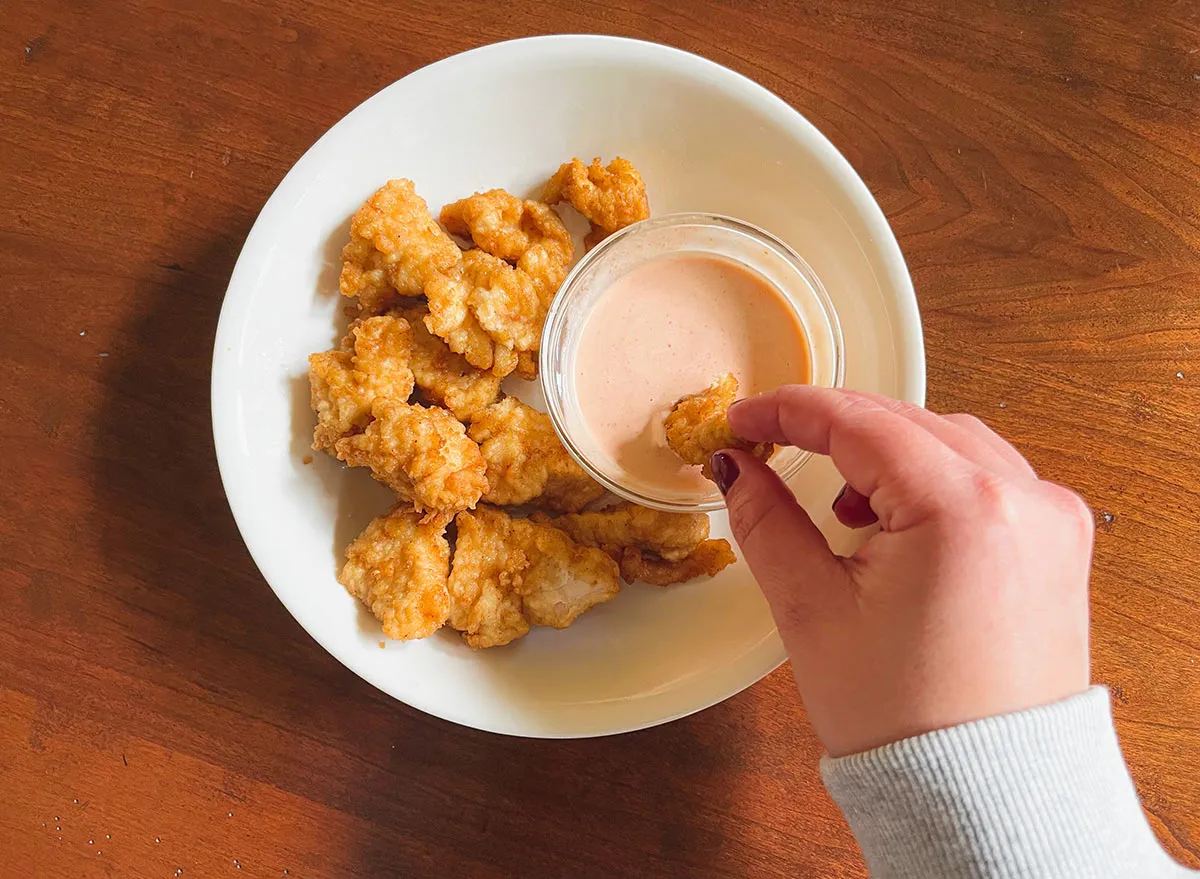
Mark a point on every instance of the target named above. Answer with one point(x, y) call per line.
point(160, 711)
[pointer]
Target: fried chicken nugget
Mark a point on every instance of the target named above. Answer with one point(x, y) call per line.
point(399, 567)
point(671, 536)
point(611, 197)
point(565, 578)
point(526, 463)
point(706, 560)
point(697, 426)
point(527, 234)
point(423, 454)
point(486, 311)
point(510, 573)
point(530, 236)
point(447, 378)
point(488, 565)
point(396, 247)
point(371, 363)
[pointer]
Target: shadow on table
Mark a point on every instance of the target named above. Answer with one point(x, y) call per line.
point(228, 677)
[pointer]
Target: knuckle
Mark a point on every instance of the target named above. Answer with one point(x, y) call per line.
point(994, 497)
point(1076, 511)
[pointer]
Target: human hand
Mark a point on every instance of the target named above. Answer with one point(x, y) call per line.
point(971, 601)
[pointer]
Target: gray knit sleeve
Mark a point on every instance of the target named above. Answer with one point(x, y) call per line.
point(1042, 793)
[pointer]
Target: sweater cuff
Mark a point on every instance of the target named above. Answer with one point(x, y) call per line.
point(1038, 793)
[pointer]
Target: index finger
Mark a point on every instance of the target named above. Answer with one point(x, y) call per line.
point(905, 471)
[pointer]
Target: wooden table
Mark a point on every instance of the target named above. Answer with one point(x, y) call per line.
point(161, 714)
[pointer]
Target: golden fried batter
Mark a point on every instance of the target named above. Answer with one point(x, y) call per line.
point(423, 454)
point(396, 247)
point(527, 365)
point(672, 536)
point(705, 560)
point(564, 578)
point(513, 230)
point(526, 463)
point(485, 309)
point(398, 567)
point(510, 573)
point(447, 378)
point(488, 566)
point(697, 426)
point(371, 363)
point(611, 198)
point(489, 311)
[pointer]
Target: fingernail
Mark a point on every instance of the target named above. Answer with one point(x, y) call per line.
point(841, 494)
point(725, 471)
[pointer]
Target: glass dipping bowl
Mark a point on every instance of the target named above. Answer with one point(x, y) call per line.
point(622, 252)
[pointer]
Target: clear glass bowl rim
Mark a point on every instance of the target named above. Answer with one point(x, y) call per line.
point(556, 315)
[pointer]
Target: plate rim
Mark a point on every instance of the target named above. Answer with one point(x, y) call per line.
point(907, 325)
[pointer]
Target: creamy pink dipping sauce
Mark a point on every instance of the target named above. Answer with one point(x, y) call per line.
point(668, 328)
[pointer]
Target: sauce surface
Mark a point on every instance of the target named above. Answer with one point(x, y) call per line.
point(668, 328)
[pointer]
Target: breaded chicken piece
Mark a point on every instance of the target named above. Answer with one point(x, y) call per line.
point(423, 454)
point(697, 426)
point(526, 463)
point(398, 567)
point(489, 563)
point(510, 573)
point(564, 578)
point(371, 363)
point(527, 234)
point(706, 560)
point(447, 378)
point(611, 197)
point(671, 536)
point(396, 247)
point(485, 310)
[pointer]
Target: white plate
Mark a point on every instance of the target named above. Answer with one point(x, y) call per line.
point(706, 139)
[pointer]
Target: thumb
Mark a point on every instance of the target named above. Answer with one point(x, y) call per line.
point(787, 553)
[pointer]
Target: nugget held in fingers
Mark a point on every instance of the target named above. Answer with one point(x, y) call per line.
point(706, 560)
point(423, 454)
point(447, 378)
point(668, 535)
point(372, 362)
point(526, 462)
point(396, 247)
point(611, 197)
point(697, 426)
point(398, 567)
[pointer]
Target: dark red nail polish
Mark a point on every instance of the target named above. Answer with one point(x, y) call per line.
point(841, 494)
point(725, 471)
